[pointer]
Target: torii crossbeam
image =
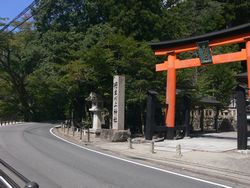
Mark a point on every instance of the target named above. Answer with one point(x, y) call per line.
point(204, 45)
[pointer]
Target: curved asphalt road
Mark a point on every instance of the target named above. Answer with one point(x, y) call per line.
point(53, 163)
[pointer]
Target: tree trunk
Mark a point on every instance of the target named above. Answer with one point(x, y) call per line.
point(78, 108)
point(24, 100)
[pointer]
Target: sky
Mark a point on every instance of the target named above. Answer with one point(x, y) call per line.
point(11, 8)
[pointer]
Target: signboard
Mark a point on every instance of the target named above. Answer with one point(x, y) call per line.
point(118, 102)
point(204, 52)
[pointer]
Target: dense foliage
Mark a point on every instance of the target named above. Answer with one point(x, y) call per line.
point(77, 47)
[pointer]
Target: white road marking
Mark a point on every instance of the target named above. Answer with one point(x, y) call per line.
point(140, 164)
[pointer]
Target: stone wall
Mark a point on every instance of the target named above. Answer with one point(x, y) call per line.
point(114, 135)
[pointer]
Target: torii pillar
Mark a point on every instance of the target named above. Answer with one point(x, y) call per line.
point(248, 62)
point(170, 95)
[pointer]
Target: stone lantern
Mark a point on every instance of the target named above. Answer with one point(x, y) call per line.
point(96, 109)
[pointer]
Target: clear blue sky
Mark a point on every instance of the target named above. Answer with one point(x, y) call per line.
point(11, 8)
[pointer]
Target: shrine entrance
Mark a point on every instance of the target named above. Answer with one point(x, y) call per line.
point(204, 46)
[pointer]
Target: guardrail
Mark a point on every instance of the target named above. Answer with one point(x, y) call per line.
point(7, 182)
point(9, 122)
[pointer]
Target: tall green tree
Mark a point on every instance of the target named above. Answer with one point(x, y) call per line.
point(138, 18)
point(53, 94)
point(192, 18)
point(108, 53)
point(236, 12)
point(77, 46)
point(18, 59)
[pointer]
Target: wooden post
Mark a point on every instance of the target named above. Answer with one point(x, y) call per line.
point(241, 118)
point(88, 137)
point(152, 147)
point(216, 119)
point(81, 133)
point(130, 143)
point(202, 119)
point(248, 63)
point(187, 103)
point(150, 118)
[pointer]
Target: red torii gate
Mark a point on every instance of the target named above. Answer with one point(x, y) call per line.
point(204, 44)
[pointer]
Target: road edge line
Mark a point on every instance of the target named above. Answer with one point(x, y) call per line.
point(136, 163)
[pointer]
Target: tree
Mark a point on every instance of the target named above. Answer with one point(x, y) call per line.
point(53, 95)
point(192, 18)
point(111, 53)
point(2, 21)
point(218, 81)
point(236, 12)
point(19, 57)
point(139, 19)
point(8, 101)
point(78, 46)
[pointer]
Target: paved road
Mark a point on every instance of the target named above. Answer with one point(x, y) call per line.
point(53, 163)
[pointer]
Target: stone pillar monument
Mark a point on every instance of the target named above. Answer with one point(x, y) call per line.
point(97, 105)
point(118, 102)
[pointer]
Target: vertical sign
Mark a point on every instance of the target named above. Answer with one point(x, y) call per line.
point(118, 102)
point(204, 52)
